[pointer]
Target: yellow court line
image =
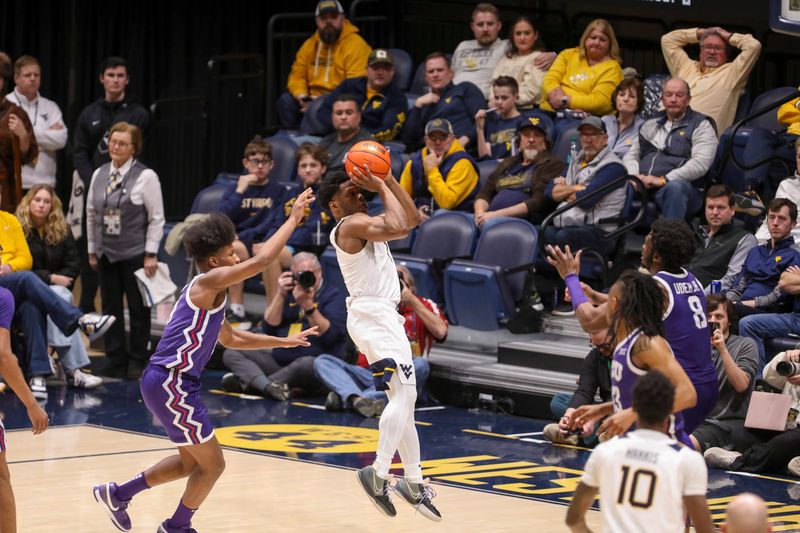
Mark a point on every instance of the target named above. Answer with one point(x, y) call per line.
point(490, 434)
point(236, 394)
point(417, 422)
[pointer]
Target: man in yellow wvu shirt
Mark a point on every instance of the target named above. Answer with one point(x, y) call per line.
point(442, 174)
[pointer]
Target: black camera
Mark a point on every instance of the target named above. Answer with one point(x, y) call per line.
point(306, 278)
point(714, 326)
point(787, 369)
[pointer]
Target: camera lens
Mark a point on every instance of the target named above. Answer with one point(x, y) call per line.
point(306, 279)
point(787, 368)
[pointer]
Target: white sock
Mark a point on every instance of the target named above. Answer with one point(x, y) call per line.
point(238, 309)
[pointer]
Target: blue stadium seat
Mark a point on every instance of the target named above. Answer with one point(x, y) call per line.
point(481, 294)
point(403, 68)
point(178, 264)
point(418, 85)
point(207, 200)
point(402, 246)
point(311, 124)
point(226, 178)
point(769, 120)
point(441, 238)
point(486, 168)
point(399, 160)
point(331, 273)
point(561, 144)
point(283, 149)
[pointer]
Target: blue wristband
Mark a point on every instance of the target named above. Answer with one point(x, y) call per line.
point(576, 293)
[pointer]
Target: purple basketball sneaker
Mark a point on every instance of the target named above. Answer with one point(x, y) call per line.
point(165, 528)
point(115, 508)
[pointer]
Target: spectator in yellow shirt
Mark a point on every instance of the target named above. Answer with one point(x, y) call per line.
point(715, 83)
point(442, 174)
point(583, 78)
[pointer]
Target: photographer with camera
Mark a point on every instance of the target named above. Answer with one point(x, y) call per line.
point(775, 451)
point(736, 362)
point(302, 301)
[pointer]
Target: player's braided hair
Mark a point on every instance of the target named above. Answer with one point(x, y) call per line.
point(653, 397)
point(674, 242)
point(641, 304)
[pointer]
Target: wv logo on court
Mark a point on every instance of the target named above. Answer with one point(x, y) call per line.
point(299, 438)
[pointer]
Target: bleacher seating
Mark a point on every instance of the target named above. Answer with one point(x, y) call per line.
point(403, 68)
point(443, 237)
point(561, 144)
point(480, 293)
point(283, 149)
point(486, 168)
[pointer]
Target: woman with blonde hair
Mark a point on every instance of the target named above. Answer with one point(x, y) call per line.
point(583, 78)
point(124, 227)
point(56, 262)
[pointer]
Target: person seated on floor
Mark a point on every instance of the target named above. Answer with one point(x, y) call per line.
point(722, 243)
point(768, 451)
point(441, 175)
point(352, 386)
point(496, 127)
point(248, 203)
point(35, 302)
point(623, 126)
point(771, 325)
point(303, 300)
point(346, 117)
point(312, 232)
point(736, 361)
point(516, 188)
point(789, 188)
point(594, 380)
point(595, 166)
point(57, 263)
point(456, 103)
point(672, 154)
point(756, 289)
point(383, 105)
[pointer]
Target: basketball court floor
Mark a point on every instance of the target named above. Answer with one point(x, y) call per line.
point(290, 467)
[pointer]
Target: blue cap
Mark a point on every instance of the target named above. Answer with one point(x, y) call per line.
point(536, 120)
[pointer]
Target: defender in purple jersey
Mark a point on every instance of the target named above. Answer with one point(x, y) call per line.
point(9, 369)
point(634, 309)
point(171, 382)
point(668, 246)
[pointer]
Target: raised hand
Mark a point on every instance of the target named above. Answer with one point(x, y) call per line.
point(299, 207)
point(365, 179)
point(301, 339)
point(564, 261)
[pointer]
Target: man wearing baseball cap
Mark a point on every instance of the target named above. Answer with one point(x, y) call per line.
point(332, 54)
point(595, 166)
point(516, 188)
point(383, 104)
point(442, 174)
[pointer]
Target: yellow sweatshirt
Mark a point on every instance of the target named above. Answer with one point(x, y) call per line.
point(715, 91)
point(789, 114)
point(589, 87)
point(448, 191)
point(13, 246)
point(319, 67)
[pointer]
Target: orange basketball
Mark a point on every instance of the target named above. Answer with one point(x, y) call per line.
point(370, 153)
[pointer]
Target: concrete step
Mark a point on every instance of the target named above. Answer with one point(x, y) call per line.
point(547, 351)
point(564, 325)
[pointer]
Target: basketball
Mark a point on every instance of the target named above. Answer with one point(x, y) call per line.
point(370, 153)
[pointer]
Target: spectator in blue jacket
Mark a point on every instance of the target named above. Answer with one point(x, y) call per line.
point(757, 289)
point(383, 104)
point(303, 301)
point(456, 103)
point(249, 203)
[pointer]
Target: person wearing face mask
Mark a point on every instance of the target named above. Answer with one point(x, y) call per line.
point(716, 84)
point(595, 166)
point(623, 126)
point(525, 62)
point(332, 54)
point(516, 188)
point(441, 175)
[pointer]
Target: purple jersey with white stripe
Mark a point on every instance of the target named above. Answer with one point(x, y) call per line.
point(190, 335)
point(686, 325)
point(6, 308)
point(623, 376)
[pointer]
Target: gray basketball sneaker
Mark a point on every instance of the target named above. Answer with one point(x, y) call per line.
point(419, 495)
point(377, 489)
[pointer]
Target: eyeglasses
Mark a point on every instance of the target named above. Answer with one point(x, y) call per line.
point(713, 47)
point(602, 347)
point(259, 162)
point(118, 144)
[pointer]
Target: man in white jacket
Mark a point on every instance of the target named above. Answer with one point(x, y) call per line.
point(45, 115)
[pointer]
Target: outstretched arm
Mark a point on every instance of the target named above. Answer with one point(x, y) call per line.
point(9, 369)
point(245, 340)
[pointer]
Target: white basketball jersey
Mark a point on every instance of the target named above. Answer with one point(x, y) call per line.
point(643, 477)
point(369, 272)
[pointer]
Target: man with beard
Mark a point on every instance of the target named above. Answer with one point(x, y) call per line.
point(441, 175)
point(346, 117)
point(474, 60)
point(673, 153)
point(516, 188)
point(383, 105)
point(715, 83)
point(332, 54)
point(595, 166)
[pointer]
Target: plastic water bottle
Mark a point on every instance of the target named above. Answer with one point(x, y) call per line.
point(573, 150)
